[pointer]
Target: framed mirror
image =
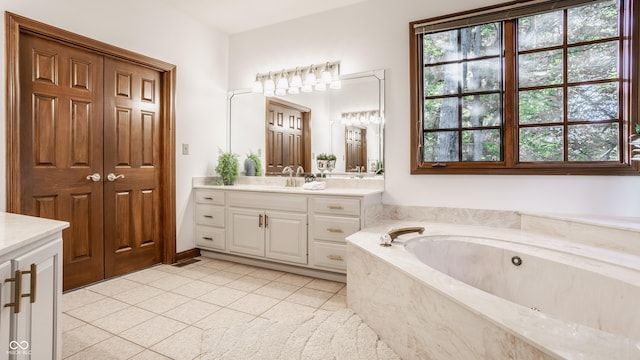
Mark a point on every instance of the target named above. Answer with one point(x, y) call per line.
point(293, 130)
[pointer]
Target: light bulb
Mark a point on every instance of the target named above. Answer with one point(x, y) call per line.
point(269, 85)
point(296, 80)
point(325, 76)
point(283, 83)
point(294, 90)
point(310, 78)
point(257, 85)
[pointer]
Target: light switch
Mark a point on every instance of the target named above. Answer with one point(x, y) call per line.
point(185, 149)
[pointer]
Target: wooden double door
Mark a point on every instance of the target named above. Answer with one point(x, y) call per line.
point(288, 137)
point(90, 154)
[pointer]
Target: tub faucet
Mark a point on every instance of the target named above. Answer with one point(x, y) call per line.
point(391, 235)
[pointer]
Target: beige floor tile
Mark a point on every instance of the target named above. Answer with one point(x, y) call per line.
point(149, 355)
point(138, 294)
point(325, 285)
point(277, 290)
point(113, 286)
point(217, 264)
point(242, 269)
point(170, 268)
point(81, 338)
point(221, 277)
point(124, 319)
point(146, 276)
point(195, 288)
point(286, 310)
point(70, 323)
point(97, 309)
point(192, 311)
point(254, 304)
point(335, 303)
point(170, 281)
point(294, 279)
point(183, 345)
point(343, 291)
point(247, 283)
point(267, 274)
point(153, 331)
point(309, 297)
point(197, 272)
point(222, 296)
point(224, 317)
point(78, 298)
point(110, 349)
point(163, 302)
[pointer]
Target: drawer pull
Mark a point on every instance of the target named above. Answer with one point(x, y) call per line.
point(334, 230)
point(17, 289)
point(33, 271)
point(208, 198)
point(335, 207)
point(208, 216)
point(207, 238)
point(260, 220)
point(335, 257)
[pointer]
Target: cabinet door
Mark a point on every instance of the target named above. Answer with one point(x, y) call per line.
point(245, 231)
point(5, 312)
point(37, 323)
point(286, 236)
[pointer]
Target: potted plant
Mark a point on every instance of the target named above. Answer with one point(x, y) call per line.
point(331, 162)
point(227, 168)
point(322, 160)
point(252, 165)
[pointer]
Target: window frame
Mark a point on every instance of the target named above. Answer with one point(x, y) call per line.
point(629, 103)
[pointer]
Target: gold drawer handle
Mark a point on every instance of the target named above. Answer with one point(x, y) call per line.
point(17, 289)
point(333, 230)
point(208, 216)
point(335, 207)
point(33, 271)
point(335, 257)
point(207, 238)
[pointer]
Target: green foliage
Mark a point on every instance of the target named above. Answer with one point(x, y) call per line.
point(227, 168)
point(637, 128)
point(331, 157)
point(256, 160)
point(322, 156)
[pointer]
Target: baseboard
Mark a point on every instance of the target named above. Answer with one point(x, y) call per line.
point(187, 254)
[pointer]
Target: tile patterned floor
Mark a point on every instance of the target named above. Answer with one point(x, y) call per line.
point(161, 312)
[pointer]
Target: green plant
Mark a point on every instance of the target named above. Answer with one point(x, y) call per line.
point(227, 168)
point(322, 156)
point(331, 157)
point(256, 160)
point(637, 128)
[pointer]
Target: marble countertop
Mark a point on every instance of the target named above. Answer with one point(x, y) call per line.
point(292, 190)
point(17, 231)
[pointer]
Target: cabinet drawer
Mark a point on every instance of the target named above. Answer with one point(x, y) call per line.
point(336, 206)
point(211, 215)
point(333, 256)
point(334, 228)
point(210, 237)
point(256, 200)
point(212, 197)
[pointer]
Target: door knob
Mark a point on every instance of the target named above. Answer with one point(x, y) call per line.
point(94, 177)
point(114, 177)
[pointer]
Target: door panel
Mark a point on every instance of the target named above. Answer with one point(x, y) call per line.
point(133, 239)
point(61, 143)
point(285, 139)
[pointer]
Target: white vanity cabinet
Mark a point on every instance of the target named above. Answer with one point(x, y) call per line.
point(273, 226)
point(210, 219)
point(31, 289)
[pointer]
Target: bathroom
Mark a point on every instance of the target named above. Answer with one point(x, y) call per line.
point(363, 36)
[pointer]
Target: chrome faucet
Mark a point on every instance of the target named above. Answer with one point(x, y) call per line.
point(299, 171)
point(290, 181)
point(387, 239)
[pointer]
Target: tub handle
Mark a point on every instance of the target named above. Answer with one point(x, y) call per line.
point(393, 234)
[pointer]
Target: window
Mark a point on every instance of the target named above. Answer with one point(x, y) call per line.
point(548, 88)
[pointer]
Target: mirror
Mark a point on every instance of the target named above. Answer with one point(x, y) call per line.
point(331, 126)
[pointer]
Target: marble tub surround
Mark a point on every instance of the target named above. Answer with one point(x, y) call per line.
point(423, 313)
point(483, 217)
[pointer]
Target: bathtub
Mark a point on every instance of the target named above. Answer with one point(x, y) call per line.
point(464, 292)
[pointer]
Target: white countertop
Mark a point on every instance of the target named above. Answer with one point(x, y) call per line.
point(293, 190)
point(17, 231)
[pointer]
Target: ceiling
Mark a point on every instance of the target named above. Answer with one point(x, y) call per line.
point(234, 16)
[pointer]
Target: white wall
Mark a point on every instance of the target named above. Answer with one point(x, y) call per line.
point(150, 28)
point(375, 34)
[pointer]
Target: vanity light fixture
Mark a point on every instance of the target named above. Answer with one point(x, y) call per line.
point(300, 79)
point(360, 117)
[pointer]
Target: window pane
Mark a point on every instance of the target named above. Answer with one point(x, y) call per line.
point(540, 106)
point(481, 145)
point(541, 144)
point(441, 113)
point(540, 68)
point(593, 62)
point(481, 110)
point(441, 79)
point(440, 146)
point(595, 142)
point(480, 40)
point(539, 31)
point(441, 46)
point(482, 75)
point(593, 22)
point(593, 102)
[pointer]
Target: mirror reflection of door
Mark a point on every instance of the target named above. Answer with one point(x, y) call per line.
point(288, 140)
point(355, 148)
